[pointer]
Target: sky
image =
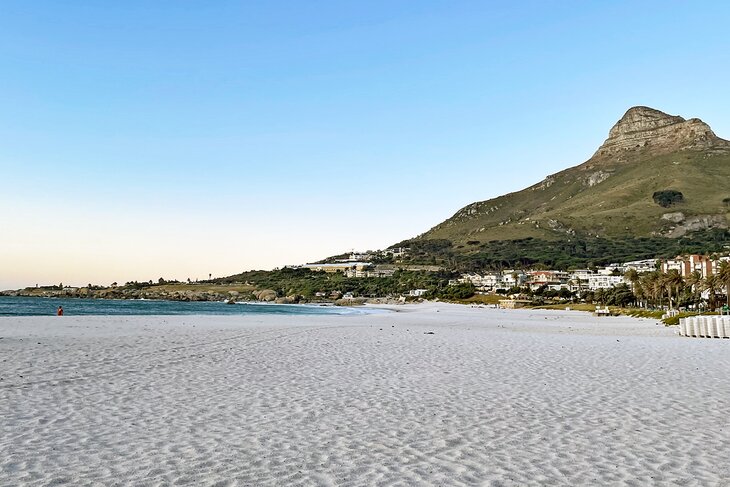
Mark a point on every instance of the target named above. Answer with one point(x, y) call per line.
point(182, 139)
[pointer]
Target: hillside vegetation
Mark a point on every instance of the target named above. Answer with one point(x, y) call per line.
point(622, 205)
point(657, 178)
point(572, 253)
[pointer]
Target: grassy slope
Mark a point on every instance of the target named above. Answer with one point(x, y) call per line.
point(619, 206)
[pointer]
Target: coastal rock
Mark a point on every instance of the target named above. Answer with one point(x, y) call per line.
point(265, 295)
point(292, 299)
point(350, 301)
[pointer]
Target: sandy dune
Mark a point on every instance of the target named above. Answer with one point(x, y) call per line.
point(492, 397)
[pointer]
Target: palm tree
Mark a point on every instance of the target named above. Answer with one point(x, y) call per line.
point(723, 272)
point(658, 288)
point(712, 284)
point(646, 287)
point(640, 294)
point(694, 282)
point(633, 277)
point(672, 281)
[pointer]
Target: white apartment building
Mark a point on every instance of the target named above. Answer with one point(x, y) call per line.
point(485, 282)
point(602, 281)
point(512, 278)
point(646, 265)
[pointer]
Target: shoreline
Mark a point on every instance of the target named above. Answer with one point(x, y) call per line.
point(393, 305)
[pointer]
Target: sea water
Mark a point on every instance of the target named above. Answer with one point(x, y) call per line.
point(26, 306)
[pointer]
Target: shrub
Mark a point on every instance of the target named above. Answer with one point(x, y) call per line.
point(667, 197)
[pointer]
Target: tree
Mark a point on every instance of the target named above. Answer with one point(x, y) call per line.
point(712, 284)
point(633, 277)
point(620, 295)
point(652, 287)
point(694, 283)
point(667, 197)
point(640, 294)
point(672, 281)
point(723, 273)
point(565, 293)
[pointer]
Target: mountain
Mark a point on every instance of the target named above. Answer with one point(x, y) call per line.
point(611, 194)
point(656, 177)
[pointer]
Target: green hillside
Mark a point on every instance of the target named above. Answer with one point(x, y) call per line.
point(620, 195)
point(566, 204)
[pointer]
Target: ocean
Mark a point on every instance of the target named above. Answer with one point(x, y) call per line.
point(24, 306)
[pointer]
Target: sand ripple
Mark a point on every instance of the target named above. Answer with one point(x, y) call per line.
point(490, 398)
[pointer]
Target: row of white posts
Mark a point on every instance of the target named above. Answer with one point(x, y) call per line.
point(705, 326)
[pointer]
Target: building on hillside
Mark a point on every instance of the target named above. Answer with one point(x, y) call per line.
point(398, 252)
point(356, 272)
point(673, 265)
point(368, 272)
point(512, 278)
point(554, 280)
point(417, 293)
point(338, 266)
point(380, 272)
point(581, 273)
point(493, 281)
point(578, 279)
point(602, 281)
point(687, 264)
point(359, 257)
point(646, 265)
point(485, 282)
point(613, 270)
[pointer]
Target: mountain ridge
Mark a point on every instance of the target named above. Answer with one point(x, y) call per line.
point(645, 127)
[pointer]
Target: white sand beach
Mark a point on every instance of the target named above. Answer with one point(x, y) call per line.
point(434, 394)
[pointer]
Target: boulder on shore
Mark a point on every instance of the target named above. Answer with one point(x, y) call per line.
point(265, 295)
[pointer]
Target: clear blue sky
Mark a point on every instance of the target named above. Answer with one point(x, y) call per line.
point(181, 138)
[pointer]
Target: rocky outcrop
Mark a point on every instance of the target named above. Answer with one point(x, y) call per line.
point(657, 132)
point(596, 178)
point(701, 222)
point(675, 217)
point(265, 295)
point(291, 299)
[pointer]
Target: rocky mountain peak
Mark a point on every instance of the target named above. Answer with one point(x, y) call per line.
point(653, 130)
